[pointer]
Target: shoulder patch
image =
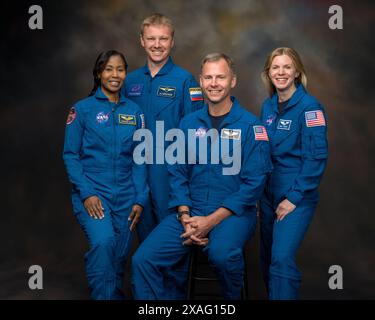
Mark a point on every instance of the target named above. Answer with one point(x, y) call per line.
point(315, 118)
point(71, 115)
point(260, 133)
point(143, 124)
point(196, 94)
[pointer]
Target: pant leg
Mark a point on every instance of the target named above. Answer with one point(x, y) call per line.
point(225, 251)
point(100, 259)
point(285, 277)
point(123, 236)
point(267, 218)
point(156, 208)
point(147, 222)
point(152, 262)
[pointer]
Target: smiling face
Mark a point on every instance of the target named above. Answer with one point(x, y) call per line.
point(113, 75)
point(217, 80)
point(283, 73)
point(157, 40)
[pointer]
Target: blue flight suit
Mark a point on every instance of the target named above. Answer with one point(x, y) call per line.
point(204, 188)
point(298, 139)
point(98, 155)
point(168, 96)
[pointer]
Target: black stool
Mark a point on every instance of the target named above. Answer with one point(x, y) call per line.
point(194, 261)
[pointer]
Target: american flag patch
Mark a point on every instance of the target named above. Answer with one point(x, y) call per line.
point(315, 118)
point(260, 133)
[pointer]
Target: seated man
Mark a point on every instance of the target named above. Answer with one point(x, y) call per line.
point(215, 199)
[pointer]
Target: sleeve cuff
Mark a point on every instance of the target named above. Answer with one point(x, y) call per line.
point(179, 202)
point(85, 194)
point(141, 201)
point(236, 209)
point(294, 197)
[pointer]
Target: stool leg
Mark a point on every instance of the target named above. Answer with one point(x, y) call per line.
point(245, 288)
point(191, 277)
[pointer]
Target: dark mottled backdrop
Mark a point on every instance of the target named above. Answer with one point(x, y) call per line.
point(44, 72)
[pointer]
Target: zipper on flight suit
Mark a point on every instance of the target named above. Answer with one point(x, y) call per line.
point(114, 146)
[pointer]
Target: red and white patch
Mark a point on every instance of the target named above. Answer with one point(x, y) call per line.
point(260, 133)
point(71, 116)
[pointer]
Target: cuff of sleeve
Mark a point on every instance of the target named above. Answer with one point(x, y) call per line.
point(294, 197)
point(86, 194)
point(141, 200)
point(179, 202)
point(236, 209)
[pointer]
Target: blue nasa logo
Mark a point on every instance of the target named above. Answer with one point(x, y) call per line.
point(135, 90)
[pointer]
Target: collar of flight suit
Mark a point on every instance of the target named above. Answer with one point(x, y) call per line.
point(164, 70)
point(296, 97)
point(234, 114)
point(101, 96)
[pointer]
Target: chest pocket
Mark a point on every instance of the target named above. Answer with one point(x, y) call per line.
point(282, 134)
point(98, 126)
point(166, 103)
point(126, 124)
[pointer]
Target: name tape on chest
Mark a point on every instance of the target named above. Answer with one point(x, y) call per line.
point(234, 134)
point(284, 124)
point(166, 91)
point(127, 119)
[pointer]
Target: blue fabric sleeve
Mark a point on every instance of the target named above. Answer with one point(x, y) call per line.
point(139, 172)
point(71, 155)
point(314, 154)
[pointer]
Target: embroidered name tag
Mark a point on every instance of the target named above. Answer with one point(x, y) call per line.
point(127, 119)
point(284, 124)
point(166, 91)
point(234, 134)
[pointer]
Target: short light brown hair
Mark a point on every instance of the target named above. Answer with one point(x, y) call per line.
point(297, 62)
point(157, 19)
point(215, 56)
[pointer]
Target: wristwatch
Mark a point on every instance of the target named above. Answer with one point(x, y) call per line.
point(181, 213)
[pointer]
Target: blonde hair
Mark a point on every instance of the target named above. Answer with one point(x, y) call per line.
point(215, 56)
point(157, 19)
point(297, 62)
